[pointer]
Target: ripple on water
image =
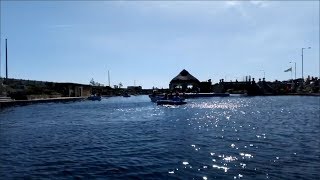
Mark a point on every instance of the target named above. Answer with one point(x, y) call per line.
point(128, 138)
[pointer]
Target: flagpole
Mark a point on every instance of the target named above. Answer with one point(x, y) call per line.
point(290, 69)
point(302, 61)
point(295, 69)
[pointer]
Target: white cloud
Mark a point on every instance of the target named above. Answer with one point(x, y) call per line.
point(260, 3)
point(175, 7)
point(232, 3)
point(238, 7)
point(201, 10)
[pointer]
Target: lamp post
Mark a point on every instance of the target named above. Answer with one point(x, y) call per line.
point(302, 59)
point(295, 69)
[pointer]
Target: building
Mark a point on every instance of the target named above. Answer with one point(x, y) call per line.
point(185, 82)
point(73, 89)
point(134, 89)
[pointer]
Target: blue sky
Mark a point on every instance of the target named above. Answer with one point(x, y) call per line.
point(151, 42)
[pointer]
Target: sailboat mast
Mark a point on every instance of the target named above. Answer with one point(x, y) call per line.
point(6, 60)
point(0, 59)
point(109, 78)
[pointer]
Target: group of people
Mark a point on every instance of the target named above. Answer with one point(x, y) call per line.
point(170, 96)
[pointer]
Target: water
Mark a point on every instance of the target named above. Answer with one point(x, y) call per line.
point(128, 138)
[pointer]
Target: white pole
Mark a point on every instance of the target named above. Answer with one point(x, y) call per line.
point(0, 61)
point(6, 60)
point(302, 60)
point(109, 78)
point(302, 63)
point(295, 69)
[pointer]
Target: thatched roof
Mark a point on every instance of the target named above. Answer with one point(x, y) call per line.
point(184, 77)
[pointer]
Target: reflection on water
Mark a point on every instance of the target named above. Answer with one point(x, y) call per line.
point(228, 138)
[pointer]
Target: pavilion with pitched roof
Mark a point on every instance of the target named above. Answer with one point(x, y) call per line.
point(183, 81)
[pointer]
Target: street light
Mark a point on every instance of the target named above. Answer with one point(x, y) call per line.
point(302, 59)
point(295, 69)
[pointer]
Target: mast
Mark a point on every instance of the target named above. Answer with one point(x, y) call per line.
point(109, 78)
point(0, 59)
point(6, 60)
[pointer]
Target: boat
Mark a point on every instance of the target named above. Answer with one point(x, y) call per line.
point(170, 102)
point(126, 95)
point(155, 98)
point(94, 98)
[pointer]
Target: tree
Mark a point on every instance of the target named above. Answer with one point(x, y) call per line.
point(92, 82)
point(120, 85)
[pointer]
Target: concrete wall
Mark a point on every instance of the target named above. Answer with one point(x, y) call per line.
point(43, 96)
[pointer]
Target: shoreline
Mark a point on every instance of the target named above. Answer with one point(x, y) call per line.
point(11, 103)
point(290, 94)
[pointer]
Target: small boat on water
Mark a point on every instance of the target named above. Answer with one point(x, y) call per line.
point(155, 98)
point(94, 98)
point(126, 95)
point(166, 100)
point(170, 102)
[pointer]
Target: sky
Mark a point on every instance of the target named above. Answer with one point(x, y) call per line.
point(148, 43)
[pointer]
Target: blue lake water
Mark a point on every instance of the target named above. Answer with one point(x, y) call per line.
point(128, 138)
